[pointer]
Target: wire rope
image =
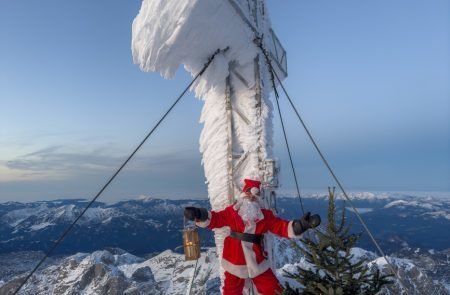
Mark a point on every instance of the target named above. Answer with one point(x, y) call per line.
point(193, 276)
point(289, 151)
point(69, 228)
point(332, 172)
point(259, 43)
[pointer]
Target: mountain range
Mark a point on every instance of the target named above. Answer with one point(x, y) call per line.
point(411, 230)
point(152, 225)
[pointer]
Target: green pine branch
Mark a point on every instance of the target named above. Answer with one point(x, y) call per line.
point(336, 271)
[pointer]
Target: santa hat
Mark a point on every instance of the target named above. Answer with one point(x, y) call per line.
point(251, 184)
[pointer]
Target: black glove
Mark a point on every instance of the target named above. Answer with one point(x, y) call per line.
point(197, 214)
point(306, 222)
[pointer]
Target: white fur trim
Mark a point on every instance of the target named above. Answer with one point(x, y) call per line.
point(240, 271)
point(254, 269)
point(255, 191)
point(206, 222)
point(253, 176)
point(291, 233)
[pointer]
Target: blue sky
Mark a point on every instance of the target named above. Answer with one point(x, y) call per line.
point(371, 79)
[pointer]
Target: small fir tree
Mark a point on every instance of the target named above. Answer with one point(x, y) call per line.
point(336, 271)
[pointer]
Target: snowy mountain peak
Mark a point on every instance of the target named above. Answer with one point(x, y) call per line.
point(145, 198)
point(115, 271)
point(103, 272)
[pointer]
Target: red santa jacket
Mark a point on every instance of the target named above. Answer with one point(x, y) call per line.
point(245, 259)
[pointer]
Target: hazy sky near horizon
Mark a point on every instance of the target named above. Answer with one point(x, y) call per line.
point(371, 79)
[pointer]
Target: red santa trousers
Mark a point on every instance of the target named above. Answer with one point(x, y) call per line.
point(266, 284)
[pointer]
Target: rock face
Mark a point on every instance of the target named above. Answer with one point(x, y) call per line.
point(12, 264)
point(415, 279)
point(435, 264)
point(104, 272)
point(117, 272)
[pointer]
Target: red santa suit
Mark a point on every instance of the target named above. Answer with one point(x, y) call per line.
point(246, 259)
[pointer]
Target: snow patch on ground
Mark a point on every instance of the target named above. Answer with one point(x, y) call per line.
point(15, 217)
point(99, 215)
point(41, 226)
point(413, 203)
point(380, 261)
point(145, 198)
point(65, 212)
point(438, 214)
point(359, 253)
point(360, 210)
point(396, 203)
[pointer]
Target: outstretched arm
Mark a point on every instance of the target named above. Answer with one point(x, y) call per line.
point(294, 228)
point(308, 221)
point(203, 218)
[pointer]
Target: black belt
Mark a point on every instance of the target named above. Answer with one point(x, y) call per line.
point(251, 238)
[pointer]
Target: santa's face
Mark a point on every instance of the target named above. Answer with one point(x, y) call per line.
point(250, 210)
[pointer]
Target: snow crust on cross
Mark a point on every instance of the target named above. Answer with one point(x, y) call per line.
point(168, 34)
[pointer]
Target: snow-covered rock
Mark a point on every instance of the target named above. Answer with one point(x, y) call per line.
point(414, 279)
point(106, 272)
point(116, 272)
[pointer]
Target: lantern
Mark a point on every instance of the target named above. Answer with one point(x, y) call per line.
point(191, 243)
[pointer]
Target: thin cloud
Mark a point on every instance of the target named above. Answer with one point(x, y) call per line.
point(56, 162)
point(58, 158)
point(175, 172)
point(44, 151)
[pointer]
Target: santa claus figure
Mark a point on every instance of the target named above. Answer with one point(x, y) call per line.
point(243, 254)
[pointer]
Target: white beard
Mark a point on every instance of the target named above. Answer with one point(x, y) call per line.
point(249, 211)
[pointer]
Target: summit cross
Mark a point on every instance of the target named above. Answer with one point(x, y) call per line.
point(236, 141)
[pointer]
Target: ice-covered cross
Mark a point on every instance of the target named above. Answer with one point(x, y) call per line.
point(236, 140)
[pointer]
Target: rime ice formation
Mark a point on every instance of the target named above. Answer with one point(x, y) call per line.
point(167, 34)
